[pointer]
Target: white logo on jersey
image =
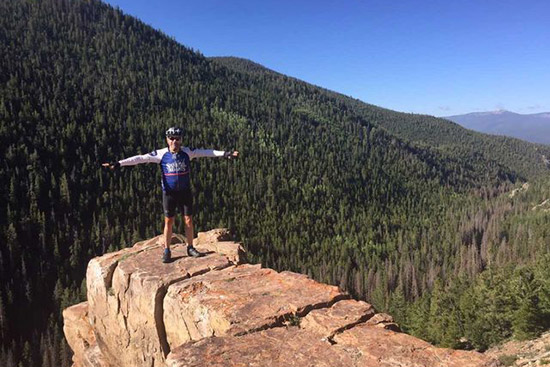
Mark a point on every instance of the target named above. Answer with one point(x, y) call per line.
point(176, 166)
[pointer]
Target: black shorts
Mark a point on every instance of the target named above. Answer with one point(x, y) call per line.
point(183, 200)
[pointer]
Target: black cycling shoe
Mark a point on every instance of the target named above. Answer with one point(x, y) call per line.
point(167, 256)
point(191, 251)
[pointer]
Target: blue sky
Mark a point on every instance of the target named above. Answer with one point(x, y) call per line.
point(434, 57)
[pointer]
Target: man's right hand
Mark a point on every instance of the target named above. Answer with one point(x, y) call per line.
point(111, 165)
point(231, 154)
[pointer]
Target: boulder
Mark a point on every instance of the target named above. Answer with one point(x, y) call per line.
point(361, 345)
point(277, 347)
point(81, 338)
point(217, 311)
point(383, 320)
point(94, 358)
point(78, 331)
point(240, 300)
point(341, 316)
point(377, 346)
point(125, 294)
point(219, 240)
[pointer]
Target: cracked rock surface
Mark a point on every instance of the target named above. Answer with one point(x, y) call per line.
point(378, 346)
point(240, 300)
point(218, 311)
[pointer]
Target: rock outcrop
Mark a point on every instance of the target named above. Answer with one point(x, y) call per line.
point(217, 310)
point(527, 353)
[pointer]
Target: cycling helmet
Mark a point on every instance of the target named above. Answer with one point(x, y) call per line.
point(174, 131)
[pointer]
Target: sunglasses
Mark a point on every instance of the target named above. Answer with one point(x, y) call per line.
point(176, 138)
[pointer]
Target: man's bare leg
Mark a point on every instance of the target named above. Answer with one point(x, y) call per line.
point(168, 224)
point(189, 236)
point(189, 230)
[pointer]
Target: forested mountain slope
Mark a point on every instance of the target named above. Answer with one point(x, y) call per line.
point(450, 139)
point(323, 187)
point(511, 297)
point(526, 159)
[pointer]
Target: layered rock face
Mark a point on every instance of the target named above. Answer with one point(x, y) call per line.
point(217, 310)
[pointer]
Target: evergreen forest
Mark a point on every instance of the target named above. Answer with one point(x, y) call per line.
point(444, 228)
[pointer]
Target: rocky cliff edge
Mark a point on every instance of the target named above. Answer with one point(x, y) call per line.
point(217, 310)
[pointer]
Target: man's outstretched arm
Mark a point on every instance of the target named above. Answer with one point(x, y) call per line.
point(153, 157)
point(211, 153)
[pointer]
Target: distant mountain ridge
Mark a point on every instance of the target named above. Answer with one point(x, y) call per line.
point(531, 127)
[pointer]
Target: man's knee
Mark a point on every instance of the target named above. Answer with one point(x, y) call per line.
point(188, 220)
point(169, 220)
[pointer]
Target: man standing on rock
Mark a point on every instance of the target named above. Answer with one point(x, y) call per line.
point(176, 186)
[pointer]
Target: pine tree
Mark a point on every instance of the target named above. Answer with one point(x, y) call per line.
point(398, 308)
point(527, 322)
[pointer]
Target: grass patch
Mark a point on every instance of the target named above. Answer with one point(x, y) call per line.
point(293, 320)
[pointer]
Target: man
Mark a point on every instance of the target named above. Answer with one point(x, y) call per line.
point(176, 187)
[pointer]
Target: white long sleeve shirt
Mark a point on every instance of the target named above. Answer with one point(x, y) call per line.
point(175, 166)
